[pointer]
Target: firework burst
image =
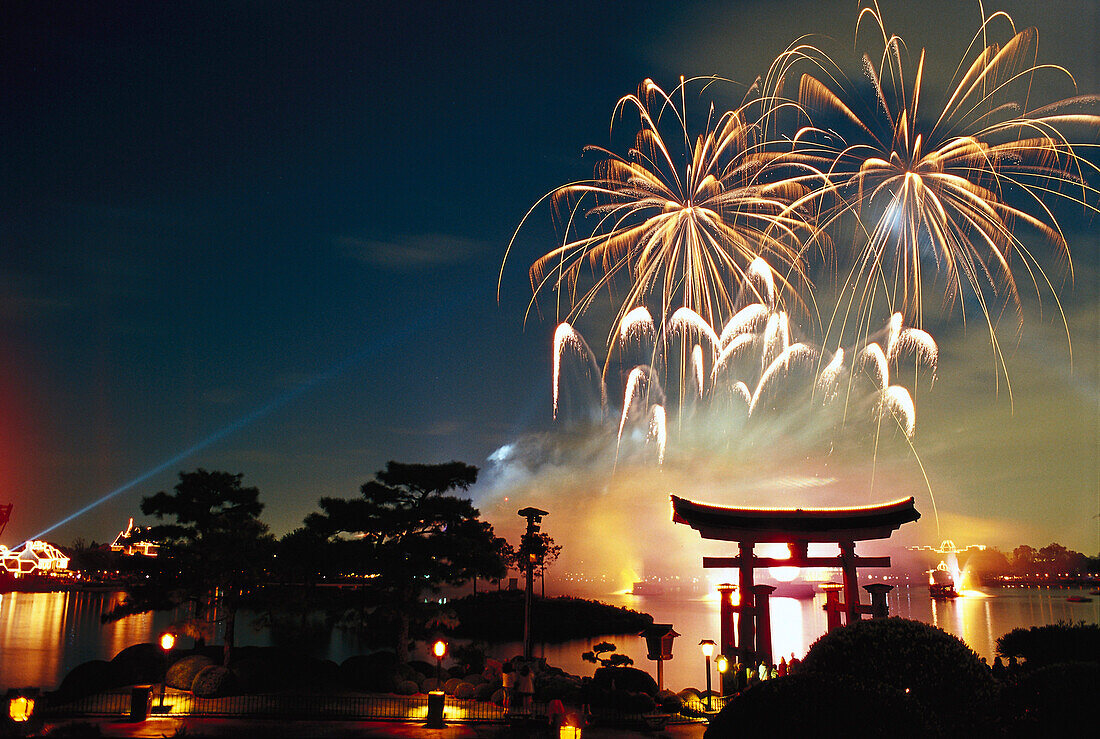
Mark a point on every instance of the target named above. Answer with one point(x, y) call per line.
point(680, 220)
point(939, 187)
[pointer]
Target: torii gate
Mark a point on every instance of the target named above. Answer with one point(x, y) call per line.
point(796, 527)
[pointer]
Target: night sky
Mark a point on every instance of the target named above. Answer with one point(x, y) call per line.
point(271, 233)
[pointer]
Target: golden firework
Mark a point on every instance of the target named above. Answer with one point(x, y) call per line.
point(681, 224)
point(937, 191)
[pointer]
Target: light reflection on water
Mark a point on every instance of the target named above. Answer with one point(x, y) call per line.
point(44, 635)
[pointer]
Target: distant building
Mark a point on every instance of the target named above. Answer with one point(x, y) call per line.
point(33, 557)
point(133, 541)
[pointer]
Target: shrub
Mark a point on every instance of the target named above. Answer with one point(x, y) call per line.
point(214, 681)
point(450, 685)
point(422, 667)
point(1047, 645)
point(181, 675)
point(464, 691)
point(934, 667)
point(625, 678)
point(428, 684)
point(372, 672)
point(406, 687)
point(470, 656)
point(89, 678)
point(818, 705)
point(669, 701)
point(498, 697)
point(140, 663)
point(1053, 700)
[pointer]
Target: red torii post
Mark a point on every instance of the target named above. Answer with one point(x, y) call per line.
point(796, 527)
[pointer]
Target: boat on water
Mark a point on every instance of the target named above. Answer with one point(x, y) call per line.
point(1078, 599)
point(942, 591)
point(646, 588)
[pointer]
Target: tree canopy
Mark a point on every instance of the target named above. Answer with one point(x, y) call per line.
point(409, 537)
point(217, 541)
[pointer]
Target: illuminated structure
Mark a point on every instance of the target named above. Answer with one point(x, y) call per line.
point(131, 542)
point(947, 575)
point(797, 528)
point(33, 557)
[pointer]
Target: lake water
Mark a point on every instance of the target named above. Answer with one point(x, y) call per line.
point(44, 635)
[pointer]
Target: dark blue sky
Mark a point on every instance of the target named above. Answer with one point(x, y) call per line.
point(206, 208)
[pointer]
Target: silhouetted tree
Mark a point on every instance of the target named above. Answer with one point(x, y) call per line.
point(218, 543)
point(541, 548)
point(409, 537)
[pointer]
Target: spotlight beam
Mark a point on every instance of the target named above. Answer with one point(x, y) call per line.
point(241, 423)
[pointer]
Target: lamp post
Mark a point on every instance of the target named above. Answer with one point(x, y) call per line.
point(534, 518)
point(167, 641)
point(439, 649)
point(707, 645)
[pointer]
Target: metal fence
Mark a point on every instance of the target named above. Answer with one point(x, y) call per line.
point(313, 706)
point(320, 706)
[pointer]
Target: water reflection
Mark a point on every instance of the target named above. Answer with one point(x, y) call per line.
point(44, 635)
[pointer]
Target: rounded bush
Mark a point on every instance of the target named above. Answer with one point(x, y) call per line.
point(450, 685)
point(625, 678)
point(214, 681)
point(819, 705)
point(181, 675)
point(1056, 700)
point(669, 702)
point(474, 679)
point(140, 663)
point(485, 691)
point(371, 672)
point(688, 695)
point(424, 668)
point(554, 686)
point(406, 687)
point(89, 678)
point(428, 684)
point(498, 697)
point(934, 667)
point(464, 691)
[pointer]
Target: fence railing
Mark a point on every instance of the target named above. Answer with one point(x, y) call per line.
point(319, 706)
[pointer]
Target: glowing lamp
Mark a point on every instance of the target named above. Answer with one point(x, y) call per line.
point(439, 649)
point(167, 641)
point(20, 709)
point(707, 645)
point(722, 663)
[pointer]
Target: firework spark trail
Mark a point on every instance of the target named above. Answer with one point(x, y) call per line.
point(898, 400)
point(658, 431)
point(566, 336)
point(636, 323)
point(746, 319)
point(782, 362)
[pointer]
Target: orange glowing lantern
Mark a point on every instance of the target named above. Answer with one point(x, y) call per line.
point(167, 641)
point(439, 649)
point(20, 709)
